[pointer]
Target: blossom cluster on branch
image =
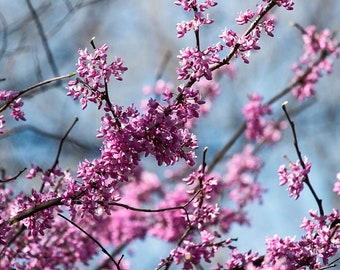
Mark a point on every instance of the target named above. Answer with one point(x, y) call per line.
point(112, 200)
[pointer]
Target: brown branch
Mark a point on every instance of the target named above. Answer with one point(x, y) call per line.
point(31, 211)
point(93, 239)
point(14, 177)
point(56, 162)
point(23, 92)
point(297, 149)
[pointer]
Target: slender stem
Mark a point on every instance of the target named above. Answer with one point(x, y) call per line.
point(197, 31)
point(93, 239)
point(227, 59)
point(14, 177)
point(21, 93)
point(297, 149)
point(56, 162)
point(281, 94)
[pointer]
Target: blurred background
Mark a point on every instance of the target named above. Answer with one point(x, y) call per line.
point(143, 33)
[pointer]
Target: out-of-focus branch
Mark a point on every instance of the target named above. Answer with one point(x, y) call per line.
point(45, 134)
point(4, 32)
point(71, 11)
point(42, 35)
point(281, 94)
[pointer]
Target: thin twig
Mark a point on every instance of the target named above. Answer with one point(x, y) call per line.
point(117, 250)
point(56, 162)
point(330, 265)
point(23, 92)
point(281, 94)
point(14, 177)
point(169, 260)
point(93, 239)
point(297, 149)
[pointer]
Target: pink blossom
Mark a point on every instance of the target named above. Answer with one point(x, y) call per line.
point(269, 26)
point(336, 187)
point(229, 37)
point(195, 63)
point(245, 44)
point(287, 4)
point(272, 132)
point(239, 179)
point(315, 44)
point(188, 5)
point(253, 112)
point(2, 123)
point(32, 173)
point(241, 260)
point(207, 4)
point(319, 243)
point(186, 26)
point(94, 72)
point(37, 223)
point(191, 253)
point(199, 17)
point(245, 17)
point(15, 106)
point(295, 177)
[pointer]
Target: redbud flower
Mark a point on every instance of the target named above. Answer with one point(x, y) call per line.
point(15, 106)
point(315, 44)
point(253, 112)
point(295, 177)
point(245, 17)
point(336, 187)
point(2, 123)
point(94, 72)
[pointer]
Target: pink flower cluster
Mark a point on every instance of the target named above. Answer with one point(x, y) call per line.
point(249, 42)
point(295, 176)
point(287, 4)
point(192, 253)
point(317, 46)
point(239, 179)
point(37, 223)
point(336, 187)
point(196, 64)
point(254, 112)
point(320, 242)
point(161, 131)
point(200, 18)
point(49, 176)
point(15, 106)
point(95, 73)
